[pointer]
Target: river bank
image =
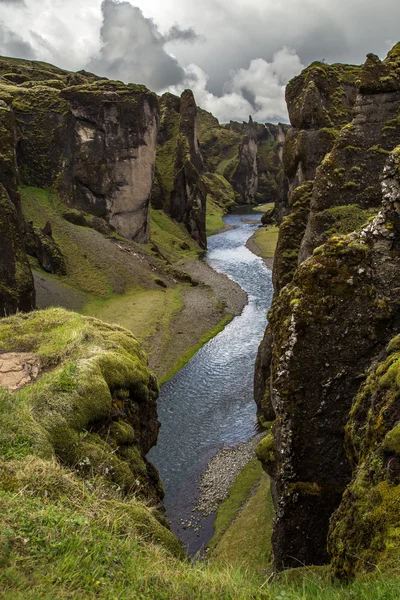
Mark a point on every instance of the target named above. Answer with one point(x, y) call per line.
point(208, 405)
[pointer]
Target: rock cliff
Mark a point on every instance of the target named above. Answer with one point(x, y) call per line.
point(332, 317)
point(179, 188)
point(246, 155)
point(92, 139)
point(16, 282)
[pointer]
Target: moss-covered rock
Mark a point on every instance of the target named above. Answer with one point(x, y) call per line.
point(93, 408)
point(94, 140)
point(16, 282)
point(364, 531)
point(349, 174)
point(178, 185)
point(328, 325)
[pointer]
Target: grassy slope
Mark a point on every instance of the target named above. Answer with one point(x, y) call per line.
point(116, 280)
point(266, 239)
point(243, 524)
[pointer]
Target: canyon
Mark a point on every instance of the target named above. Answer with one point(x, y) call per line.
point(107, 196)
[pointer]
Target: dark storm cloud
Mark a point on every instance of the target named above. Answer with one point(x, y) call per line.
point(176, 34)
point(133, 49)
point(11, 44)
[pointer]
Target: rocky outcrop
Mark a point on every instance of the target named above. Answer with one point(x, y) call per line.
point(247, 155)
point(16, 282)
point(333, 315)
point(178, 187)
point(349, 174)
point(112, 154)
point(92, 139)
point(245, 177)
point(363, 531)
point(328, 325)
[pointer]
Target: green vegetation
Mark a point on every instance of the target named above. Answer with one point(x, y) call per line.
point(141, 311)
point(243, 526)
point(344, 219)
point(264, 207)
point(266, 239)
point(214, 218)
point(365, 529)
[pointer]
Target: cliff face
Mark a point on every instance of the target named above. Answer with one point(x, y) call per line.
point(179, 188)
point(332, 317)
point(92, 139)
point(246, 155)
point(16, 282)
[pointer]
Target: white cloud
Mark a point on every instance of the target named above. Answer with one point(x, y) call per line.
point(258, 91)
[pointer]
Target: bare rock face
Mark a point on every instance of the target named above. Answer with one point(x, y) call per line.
point(245, 178)
point(17, 369)
point(113, 154)
point(16, 282)
point(179, 188)
point(92, 139)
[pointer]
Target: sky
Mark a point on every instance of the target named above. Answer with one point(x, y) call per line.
point(236, 55)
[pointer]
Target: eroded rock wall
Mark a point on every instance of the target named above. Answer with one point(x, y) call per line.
point(332, 315)
point(92, 139)
point(16, 282)
point(179, 188)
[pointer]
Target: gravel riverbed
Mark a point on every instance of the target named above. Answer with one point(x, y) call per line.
point(221, 473)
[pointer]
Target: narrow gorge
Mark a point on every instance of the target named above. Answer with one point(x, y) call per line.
point(150, 409)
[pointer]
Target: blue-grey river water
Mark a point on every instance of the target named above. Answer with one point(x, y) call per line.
point(209, 404)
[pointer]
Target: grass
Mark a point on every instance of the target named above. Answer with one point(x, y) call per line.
point(239, 493)
point(266, 239)
point(140, 311)
point(264, 207)
point(172, 238)
point(214, 217)
point(243, 525)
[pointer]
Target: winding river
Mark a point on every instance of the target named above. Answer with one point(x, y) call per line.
point(209, 405)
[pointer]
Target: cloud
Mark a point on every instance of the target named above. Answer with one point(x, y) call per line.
point(12, 44)
point(20, 2)
point(258, 91)
point(133, 48)
point(176, 34)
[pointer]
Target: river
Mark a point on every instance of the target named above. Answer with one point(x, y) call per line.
point(209, 404)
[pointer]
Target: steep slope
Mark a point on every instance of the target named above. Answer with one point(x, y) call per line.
point(16, 283)
point(178, 188)
point(331, 319)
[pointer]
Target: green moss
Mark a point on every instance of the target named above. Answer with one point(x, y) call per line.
point(266, 451)
point(391, 443)
point(365, 530)
point(246, 541)
point(266, 239)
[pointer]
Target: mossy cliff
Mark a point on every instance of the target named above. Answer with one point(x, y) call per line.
point(332, 317)
point(16, 282)
point(178, 187)
point(349, 175)
point(246, 155)
point(344, 123)
point(364, 531)
point(94, 140)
